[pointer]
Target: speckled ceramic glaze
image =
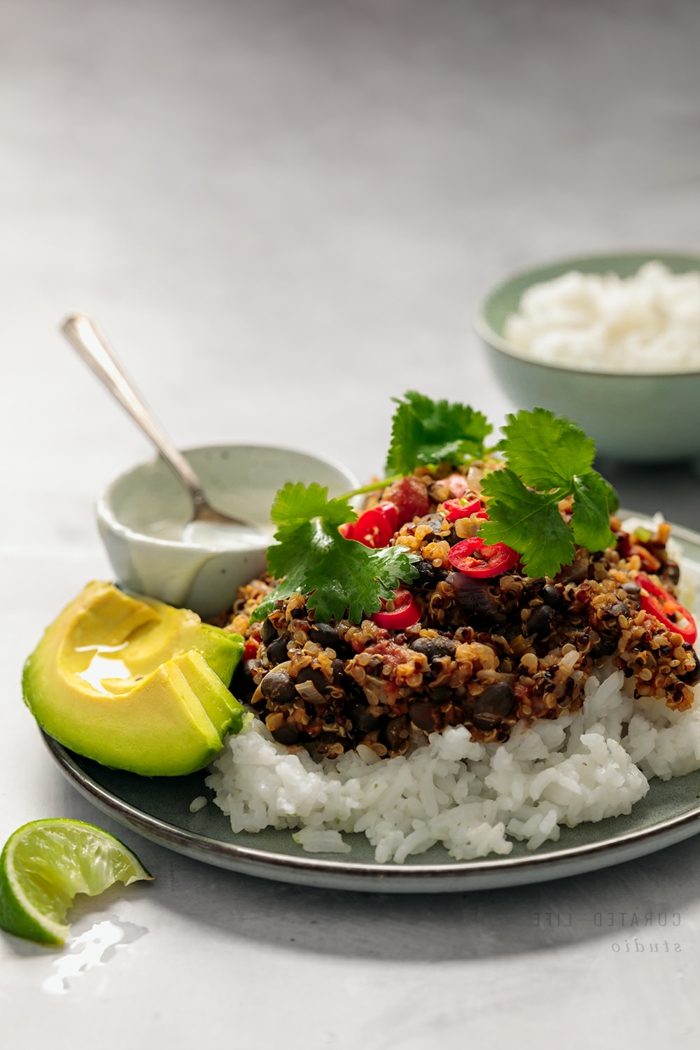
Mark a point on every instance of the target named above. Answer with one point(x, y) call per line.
point(158, 808)
point(238, 479)
point(642, 418)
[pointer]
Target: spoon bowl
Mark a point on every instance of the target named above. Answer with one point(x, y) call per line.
point(143, 514)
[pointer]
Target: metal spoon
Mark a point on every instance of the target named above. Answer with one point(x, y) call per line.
point(85, 336)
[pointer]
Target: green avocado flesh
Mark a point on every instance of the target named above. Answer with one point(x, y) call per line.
point(134, 684)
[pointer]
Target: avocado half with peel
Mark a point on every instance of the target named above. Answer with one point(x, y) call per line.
point(134, 684)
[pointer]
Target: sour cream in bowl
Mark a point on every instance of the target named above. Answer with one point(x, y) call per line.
point(154, 548)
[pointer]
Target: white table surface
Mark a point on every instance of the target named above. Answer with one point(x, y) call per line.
point(284, 212)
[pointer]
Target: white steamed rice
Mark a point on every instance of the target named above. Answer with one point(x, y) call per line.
point(646, 323)
point(473, 798)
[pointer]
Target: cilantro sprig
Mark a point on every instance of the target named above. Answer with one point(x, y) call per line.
point(424, 432)
point(342, 577)
point(548, 459)
point(545, 459)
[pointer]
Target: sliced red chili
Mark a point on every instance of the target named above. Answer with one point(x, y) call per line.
point(390, 512)
point(668, 610)
point(250, 650)
point(405, 613)
point(346, 530)
point(492, 560)
point(376, 526)
point(463, 508)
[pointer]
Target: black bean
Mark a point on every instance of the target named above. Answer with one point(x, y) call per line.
point(286, 734)
point(551, 594)
point(574, 573)
point(441, 694)
point(493, 705)
point(299, 612)
point(466, 702)
point(427, 574)
point(268, 631)
point(671, 571)
point(339, 677)
point(605, 647)
point(314, 675)
point(539, 621)
point(243, 684)
point(691, 677)
point(475, 601)
point(425, 715)
point(278, 686)
point(618, 609)
point(433, 648)
point(632, 588)
point(363, 719)
point(325, 635)
point(277, 650)
point(396, 732)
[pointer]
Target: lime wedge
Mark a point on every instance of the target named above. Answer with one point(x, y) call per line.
point(45, 863)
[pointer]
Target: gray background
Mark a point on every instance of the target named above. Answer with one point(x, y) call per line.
point(284, 213)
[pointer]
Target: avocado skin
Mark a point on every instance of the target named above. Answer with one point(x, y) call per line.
point(169, 718)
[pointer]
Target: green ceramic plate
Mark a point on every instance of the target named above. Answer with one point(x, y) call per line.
point(158, 809)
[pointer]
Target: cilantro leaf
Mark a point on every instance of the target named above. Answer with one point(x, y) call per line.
point(307, 523)
point(425, 431)
point(528, 521)
point(608, 492)
point(551, 459)
point(546, 451)
point(354, 578)
point(591, 517)
point(311, 556)
point(302, 503)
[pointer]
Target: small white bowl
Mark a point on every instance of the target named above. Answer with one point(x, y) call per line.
point(647, 417)
point(240, 480)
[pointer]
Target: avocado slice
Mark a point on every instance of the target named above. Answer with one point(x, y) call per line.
point(134, 683)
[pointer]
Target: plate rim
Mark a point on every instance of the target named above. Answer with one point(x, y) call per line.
point(455, 876)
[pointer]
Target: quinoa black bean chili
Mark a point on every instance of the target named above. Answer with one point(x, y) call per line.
point(484, 652)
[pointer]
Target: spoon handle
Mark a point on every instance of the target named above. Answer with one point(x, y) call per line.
point(85, 336)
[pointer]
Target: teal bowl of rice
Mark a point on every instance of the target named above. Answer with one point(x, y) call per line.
point(615, 349)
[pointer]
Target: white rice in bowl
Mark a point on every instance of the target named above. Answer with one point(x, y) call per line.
point(649, 322)
point(473, 798)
